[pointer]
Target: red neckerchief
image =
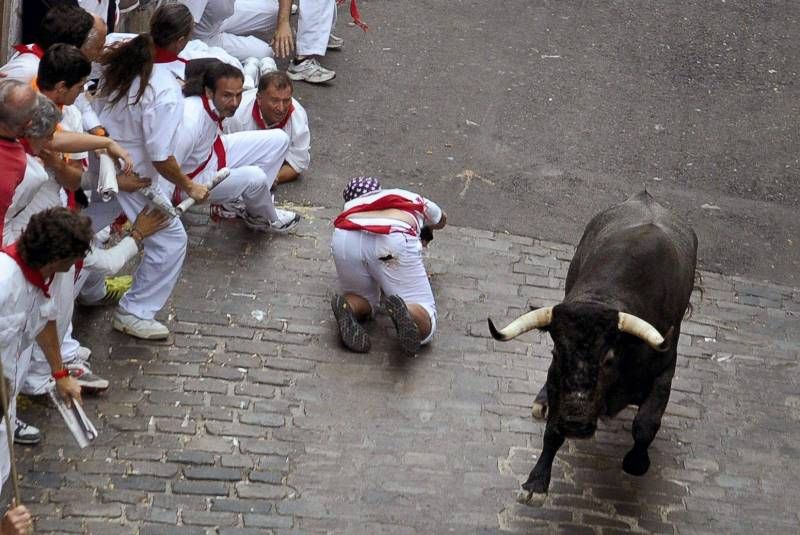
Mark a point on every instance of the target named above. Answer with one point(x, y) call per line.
point(34, 49)
point(386, 202)
point(211, 113)
point(34, 276)
point(259, 119)
point(165, 56)
point(26, 146)
point(355, 14)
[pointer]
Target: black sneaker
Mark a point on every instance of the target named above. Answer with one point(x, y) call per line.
point(26, 435)
point(407, 330)
point(352, 333)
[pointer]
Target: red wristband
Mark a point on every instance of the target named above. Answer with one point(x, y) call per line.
point(61, 374)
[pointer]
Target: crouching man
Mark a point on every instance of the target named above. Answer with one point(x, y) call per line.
point(254, 158)
point(377, 248)
point(53, 242)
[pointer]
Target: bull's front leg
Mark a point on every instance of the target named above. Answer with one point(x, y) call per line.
point(646, 424)
point(539, 478)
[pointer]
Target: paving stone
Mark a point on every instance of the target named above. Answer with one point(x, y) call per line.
point(106, 510)
point(203, 518)
point(206, 488)
point(239, 505)
point(212, 473)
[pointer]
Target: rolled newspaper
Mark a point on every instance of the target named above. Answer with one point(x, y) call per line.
point(221, 175)
point(77, 422)
point(158, 201)
point(107, 185)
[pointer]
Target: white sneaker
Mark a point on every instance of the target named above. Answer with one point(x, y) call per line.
point(83, 353)
point(309, 70)
point(335, 42)
point(86, 378)
point(26, 434)
point(250, 69)
point(138, 327)
point(228, 210)
point(286, 221)
point(266, 65)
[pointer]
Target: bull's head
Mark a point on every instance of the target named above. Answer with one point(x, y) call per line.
point(584, 361)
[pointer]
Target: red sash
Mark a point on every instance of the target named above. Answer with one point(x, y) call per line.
point(260, 120)
point(218, 148)
point(33, 276)
point(396, 202)
point(34, 49)
point(355, 14)
point(165, 56)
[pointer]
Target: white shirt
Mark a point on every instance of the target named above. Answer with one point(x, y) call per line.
point(24, 311)
point(431, 213)
point(196, 139)
point(299, 153)
point(22, 67)
point(213, 15)
point(19, 212)
point(148, 128)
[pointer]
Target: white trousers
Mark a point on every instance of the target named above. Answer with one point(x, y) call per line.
point(368, 264)
point(254, 158)
point(259, 17)
point(161, 264)
point(315, 19)
point(62, 292)
point(16, 377)
point(240, 47)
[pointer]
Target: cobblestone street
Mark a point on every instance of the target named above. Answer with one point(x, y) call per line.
point(251, 418)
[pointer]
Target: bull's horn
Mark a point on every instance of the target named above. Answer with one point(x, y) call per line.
point(535, 319)
point(628, 323)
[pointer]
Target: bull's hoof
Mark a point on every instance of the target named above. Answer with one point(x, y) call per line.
point(530, 498)
point(536, 486)
point(635, 463)
point(539, 410)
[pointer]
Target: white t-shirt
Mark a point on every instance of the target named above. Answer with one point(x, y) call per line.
point(20, 211)
point(196, 139)
point(429, 214)
point(299, 153)
point(147, 128)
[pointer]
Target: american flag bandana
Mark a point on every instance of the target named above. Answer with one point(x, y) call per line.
point(360, 185)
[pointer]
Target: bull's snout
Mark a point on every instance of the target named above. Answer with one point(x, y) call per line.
point(578, 415)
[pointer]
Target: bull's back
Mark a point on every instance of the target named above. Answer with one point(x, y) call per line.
point(635, 252)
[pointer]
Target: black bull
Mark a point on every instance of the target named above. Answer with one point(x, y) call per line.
point(630, 280)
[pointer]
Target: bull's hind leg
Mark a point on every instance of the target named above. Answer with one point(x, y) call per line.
point(646, 424)
point(539, 478)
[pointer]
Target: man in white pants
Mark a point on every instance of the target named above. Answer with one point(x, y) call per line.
point(141, 105)
point(377, 249)
point(314, 24)
point(253, 158)
point(271, 106)
point(210, 17)
point(52, 243)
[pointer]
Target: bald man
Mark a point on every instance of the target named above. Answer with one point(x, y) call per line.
point(17, 103)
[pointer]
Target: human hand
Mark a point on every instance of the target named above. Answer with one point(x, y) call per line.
point(150, 221)
point(115, 151)
point(283, 40)
point(198, 192)
point(16, 521)
point(426, 236)
point(49, 158)
point(68, 388)
point(130, 182)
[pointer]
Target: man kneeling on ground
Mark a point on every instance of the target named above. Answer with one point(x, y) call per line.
point(377, 248)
